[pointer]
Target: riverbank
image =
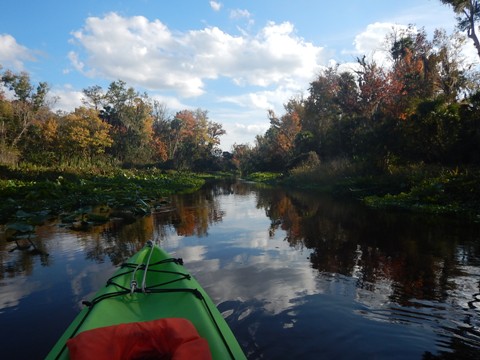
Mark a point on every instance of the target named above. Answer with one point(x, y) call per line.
point(420, 188)
point(48, 192)
point(39, 192)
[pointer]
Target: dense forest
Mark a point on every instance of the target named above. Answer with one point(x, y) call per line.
point(425, 108)
point(119, 126)
point(417, 111)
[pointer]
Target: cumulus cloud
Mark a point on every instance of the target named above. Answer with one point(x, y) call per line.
point(252, 129)
point(264, 100)
point(65, 98)
point(242, 130)
point(148, 54)
point(241, 125)
point(215, 5)
point(372, 42)
point(12, 54)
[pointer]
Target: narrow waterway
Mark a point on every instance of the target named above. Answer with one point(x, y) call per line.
point(297, 275)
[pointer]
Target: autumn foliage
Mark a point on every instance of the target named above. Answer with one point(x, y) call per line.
point(421, 105)
point(119, 126)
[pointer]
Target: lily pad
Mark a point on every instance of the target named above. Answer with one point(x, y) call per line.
point(97, 218)
point(20, 227)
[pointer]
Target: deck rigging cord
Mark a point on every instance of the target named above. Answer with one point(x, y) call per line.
point(156, 288)
point(144, 280)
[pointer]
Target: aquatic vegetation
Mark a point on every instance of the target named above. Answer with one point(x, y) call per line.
point(418, 187)
point(71, 194)
point(264, 176)
point(449, 192)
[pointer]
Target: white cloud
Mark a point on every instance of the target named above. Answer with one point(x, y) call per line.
point(215, 5)
point(244, 132)
point(76, 63)
point(241, 125)
point(65, 98)
point(170, 102)
point(372, 42)
point(259, 100)
point(148, 54)
point(232, 282)
point(12, 54)
point(239, 13)
point(275, 56)
point(268, 99)
point(252, 129)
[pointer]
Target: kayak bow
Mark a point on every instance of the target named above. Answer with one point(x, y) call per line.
point(149, 287)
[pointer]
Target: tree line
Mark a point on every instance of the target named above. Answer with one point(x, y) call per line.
point(422, 108)
point(118, 125)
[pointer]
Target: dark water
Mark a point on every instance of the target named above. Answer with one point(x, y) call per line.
point(297, 275)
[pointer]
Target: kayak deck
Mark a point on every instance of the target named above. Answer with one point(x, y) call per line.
point(150, 286)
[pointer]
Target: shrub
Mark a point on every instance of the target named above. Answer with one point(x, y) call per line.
point(9, 155)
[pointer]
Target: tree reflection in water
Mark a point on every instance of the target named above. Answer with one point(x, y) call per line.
point(424, 261)
point(400, 268)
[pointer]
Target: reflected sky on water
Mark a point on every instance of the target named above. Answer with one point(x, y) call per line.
point(296, 275)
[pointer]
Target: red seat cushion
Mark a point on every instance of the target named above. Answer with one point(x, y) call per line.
point(172, 338)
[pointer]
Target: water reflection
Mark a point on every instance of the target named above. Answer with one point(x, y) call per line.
point(295, 273)
point(397, 268)
point(418, 255)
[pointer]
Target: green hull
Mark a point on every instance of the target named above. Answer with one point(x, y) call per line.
point(163, 290)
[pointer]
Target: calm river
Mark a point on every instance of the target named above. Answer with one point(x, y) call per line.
point(297, 275)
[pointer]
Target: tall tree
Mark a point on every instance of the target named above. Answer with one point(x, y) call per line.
point(414, 72)
point(161, 130)
point(286, 128)
point(453, 75)
point(129, 114)
point(28, 101)
point(373, 88)
point(194, 139)
point(468, 13)
point(94, 97)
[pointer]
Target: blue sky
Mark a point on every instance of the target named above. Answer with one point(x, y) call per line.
point(234, 58)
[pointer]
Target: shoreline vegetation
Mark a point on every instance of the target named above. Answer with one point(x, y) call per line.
point(404, 135)
point(420, 188)
point(81, 198)
point(32, 195)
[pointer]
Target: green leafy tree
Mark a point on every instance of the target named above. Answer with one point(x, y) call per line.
point(129, 114)
point(321, 107)
point(335, 100)
point(28, 101)
point(267, 154)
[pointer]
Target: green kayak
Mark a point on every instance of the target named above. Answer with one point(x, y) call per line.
point(151, 304)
